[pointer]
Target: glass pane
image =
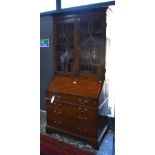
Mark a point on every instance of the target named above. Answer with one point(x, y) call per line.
point(65, 47)
point(71, 3)
point(92, 49)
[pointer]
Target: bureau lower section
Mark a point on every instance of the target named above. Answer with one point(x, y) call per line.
point(82, 121)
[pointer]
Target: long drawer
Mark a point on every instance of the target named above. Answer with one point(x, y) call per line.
point(74, 127)
point(66, 98)
point(72, 112)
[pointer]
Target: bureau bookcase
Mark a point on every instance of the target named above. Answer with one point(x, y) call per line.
point(75, 95)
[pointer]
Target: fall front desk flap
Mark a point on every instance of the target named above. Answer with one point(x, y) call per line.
point(75, 86)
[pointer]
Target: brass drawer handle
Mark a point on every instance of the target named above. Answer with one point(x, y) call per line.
point(80, 100)
point(82, 118)
point(79, 128)
point(58, 122)
point(83, 102)
point(82, 129)
point(82, 109)
point(59, 104)
point(58, 97)
point(57, 112)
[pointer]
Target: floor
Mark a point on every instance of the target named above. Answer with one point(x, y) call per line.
point(107, 146)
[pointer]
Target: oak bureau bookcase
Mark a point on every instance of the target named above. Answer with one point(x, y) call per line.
point(75, 96)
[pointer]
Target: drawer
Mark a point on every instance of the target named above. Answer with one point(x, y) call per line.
point(56, 122)
point(74, 127)
point(72, 112)
point(65, 98)
point(84, 129)
point(88, 101)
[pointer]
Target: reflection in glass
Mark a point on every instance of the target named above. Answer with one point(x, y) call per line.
point(65, 46)
point(92, 47)
point(66, 61)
